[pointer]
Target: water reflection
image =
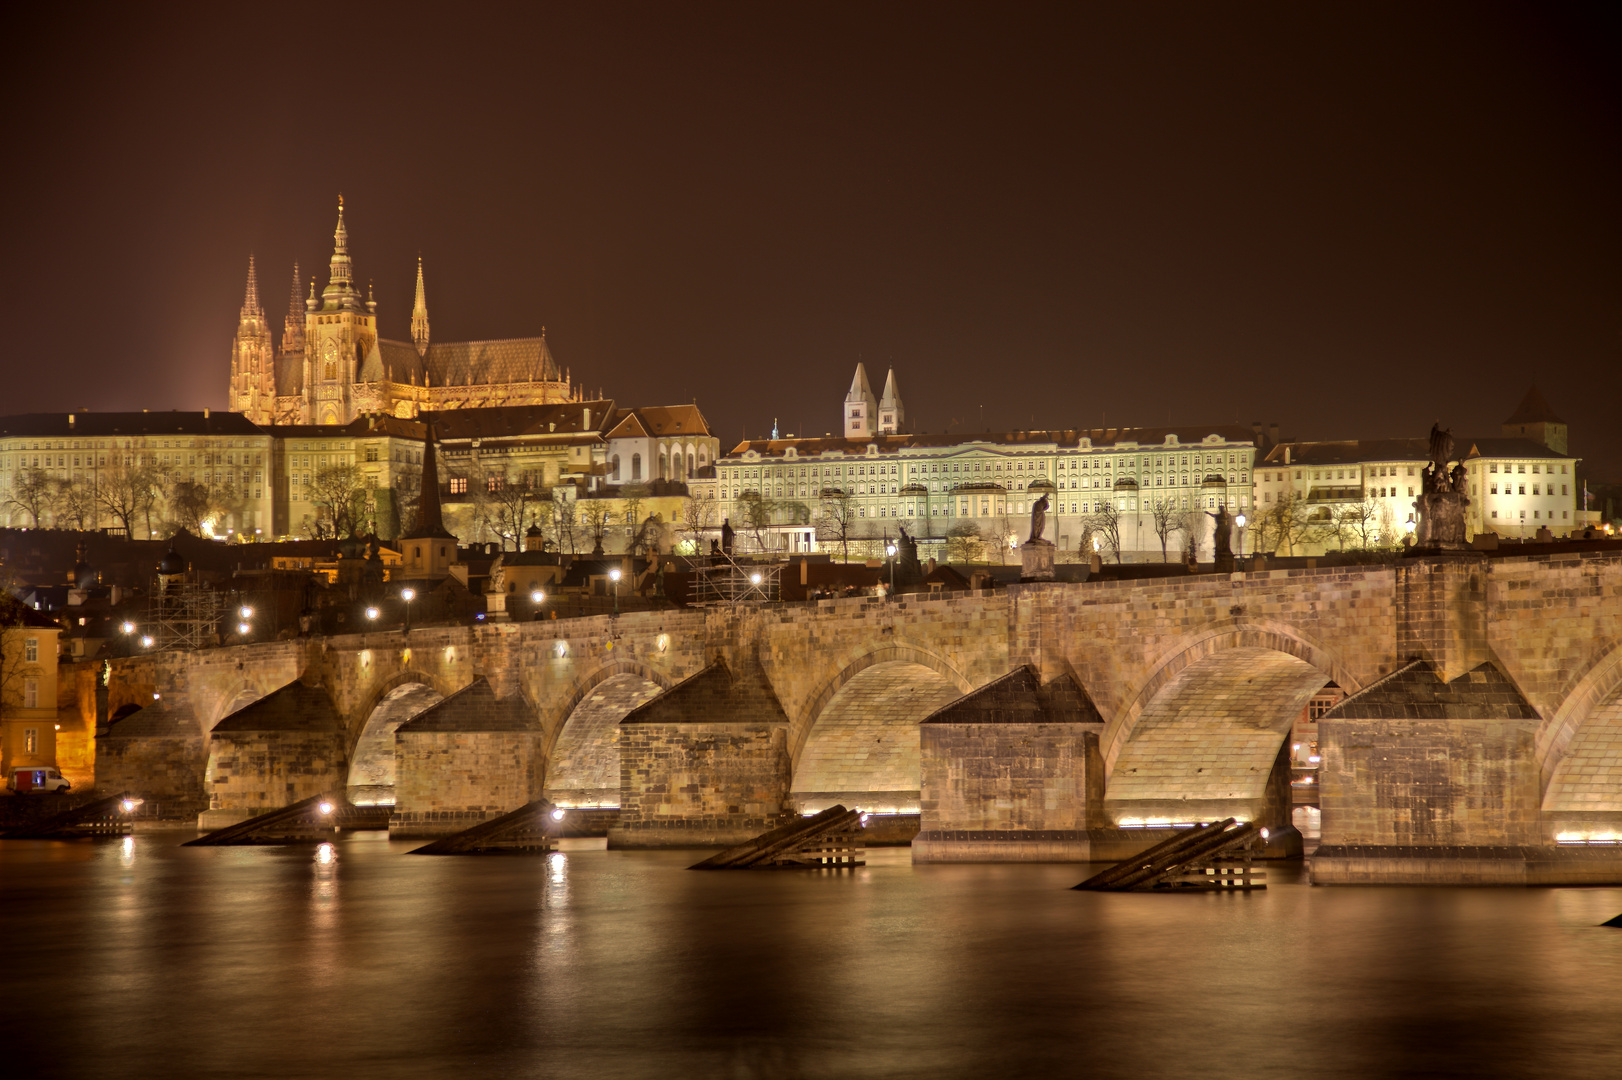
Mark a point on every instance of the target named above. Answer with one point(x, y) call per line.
point(354, 959)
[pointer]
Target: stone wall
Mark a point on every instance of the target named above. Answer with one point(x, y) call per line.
point(705, 764)
point(253, 772)
point(164, 770)
point(447, 781)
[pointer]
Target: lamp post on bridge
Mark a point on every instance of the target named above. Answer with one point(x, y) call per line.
point(407, 594)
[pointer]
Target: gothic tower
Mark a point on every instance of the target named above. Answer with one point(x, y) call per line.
point(419, 315)
point(861, 407)
point(253, 373)
point(892, 414)
point(340, 329)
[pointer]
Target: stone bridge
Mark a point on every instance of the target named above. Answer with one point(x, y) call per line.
point(703, 725)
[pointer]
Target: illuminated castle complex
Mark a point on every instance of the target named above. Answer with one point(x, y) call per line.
point(333, 366)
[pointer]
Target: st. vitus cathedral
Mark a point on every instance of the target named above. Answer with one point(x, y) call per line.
point(333, 366)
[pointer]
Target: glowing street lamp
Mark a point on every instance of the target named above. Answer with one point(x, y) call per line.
point(1240, 521)
point(614, 576)
point(372, 613)
point(146, 641)
point(128, 627)
point(1409, 527)
point(408, 594)
point(536, 599)
point(890, 550)
point(245, 611)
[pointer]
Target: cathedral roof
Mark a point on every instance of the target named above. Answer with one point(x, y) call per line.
point(461, 363)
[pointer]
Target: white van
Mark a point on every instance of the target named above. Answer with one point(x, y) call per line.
point(40, 779)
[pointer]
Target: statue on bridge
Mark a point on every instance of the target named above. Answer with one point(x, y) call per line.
point(909, 573)
point(1443, 496)
point(1222, 539)
point(1036, 554)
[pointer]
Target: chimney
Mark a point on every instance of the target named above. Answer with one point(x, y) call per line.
point(585, 422)
point(1272, 434)
point(1286, 455)
point(1256, 428)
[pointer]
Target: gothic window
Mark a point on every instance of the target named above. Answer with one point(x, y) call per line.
point(636, 466)
point(331, 370)
point(616, 466)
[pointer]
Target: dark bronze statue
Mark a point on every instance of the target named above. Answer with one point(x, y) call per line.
point(1039, 520)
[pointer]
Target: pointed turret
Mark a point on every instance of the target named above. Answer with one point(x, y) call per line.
point(1534, 419)
point(340, 293)
point(861, 408)
point(250, 301)
point(892, 414)
point(419, 315)
point(253, 379)
point(430, 520)
point(293, 325)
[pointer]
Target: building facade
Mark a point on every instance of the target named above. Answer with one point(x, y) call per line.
point(933, 484)
point(124, 470)
point(333, 364)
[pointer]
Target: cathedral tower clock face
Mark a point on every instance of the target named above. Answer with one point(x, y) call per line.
point(330, 352)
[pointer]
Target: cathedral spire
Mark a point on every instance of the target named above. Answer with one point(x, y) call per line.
point(250, 301)
point(419, 315)
point(342, 272)
point(293, 325)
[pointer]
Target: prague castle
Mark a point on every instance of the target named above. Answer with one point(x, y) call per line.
point(333, 366)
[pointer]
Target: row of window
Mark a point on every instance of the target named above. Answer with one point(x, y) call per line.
point(1158, 464)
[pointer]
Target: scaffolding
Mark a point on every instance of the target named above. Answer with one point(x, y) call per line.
point(184, 615)
point(731, 582)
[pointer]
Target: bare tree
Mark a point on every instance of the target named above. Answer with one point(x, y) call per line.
point(1105, 523)
point(563, 518)
point(596, 515)
point(633, 494)
point(344, 504)
point(512, 504)
point(964, 542)
point(1167, 521)
point(757, 516)
point(125, 491)
point(697, 514)
point(1295, 522)
point(31, 492)
point(645, 540)
point(1360, 521)
point(74, 504)
point(836, 520)
point(192, 503)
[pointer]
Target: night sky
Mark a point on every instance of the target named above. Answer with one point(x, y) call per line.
point(1349, 219)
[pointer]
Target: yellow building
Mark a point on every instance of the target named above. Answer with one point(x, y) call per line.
point(28, 658)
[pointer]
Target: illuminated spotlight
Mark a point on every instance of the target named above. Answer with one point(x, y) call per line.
point(128, 627)
point(537, 596)
point(156, 696)
point(561, 649)
point(146, 641)
point(371, 613)
point(614, 574)
point(243, 628)
point(324, 806)
point(557, 814)
point(1266, 833)
point(127, 805)
point(408, 595)
point(245, 611)
point(754, 579)
point(889, 549)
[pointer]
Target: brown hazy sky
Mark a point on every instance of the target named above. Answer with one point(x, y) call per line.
point(1350, 219)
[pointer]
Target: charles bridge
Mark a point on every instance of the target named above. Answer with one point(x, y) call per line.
point(1481, 739)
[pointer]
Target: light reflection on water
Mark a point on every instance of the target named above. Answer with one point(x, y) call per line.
point(141, 958)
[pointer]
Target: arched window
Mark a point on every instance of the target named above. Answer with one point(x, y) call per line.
point(664, 467)
point(616, 466)
point(690, 469)
point(636, 466)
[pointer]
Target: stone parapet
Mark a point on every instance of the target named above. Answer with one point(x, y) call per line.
point(1375, 864)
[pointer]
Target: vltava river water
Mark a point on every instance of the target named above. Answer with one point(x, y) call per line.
point(139, 958)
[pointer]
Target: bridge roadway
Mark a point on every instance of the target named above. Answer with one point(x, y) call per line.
point(701, 725)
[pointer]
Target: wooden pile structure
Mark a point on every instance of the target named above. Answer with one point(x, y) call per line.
point(1213, 857)
point(304, 822)
point(529, 830)
point(830, 839)
point(114, 816)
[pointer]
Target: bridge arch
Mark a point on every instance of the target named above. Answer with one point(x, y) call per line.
point(858, 740)
point(1204, 738)
point(1209, 641)
point(581, 745)
point(1581, 744)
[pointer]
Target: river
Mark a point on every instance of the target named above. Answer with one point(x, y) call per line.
point(140, 958)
